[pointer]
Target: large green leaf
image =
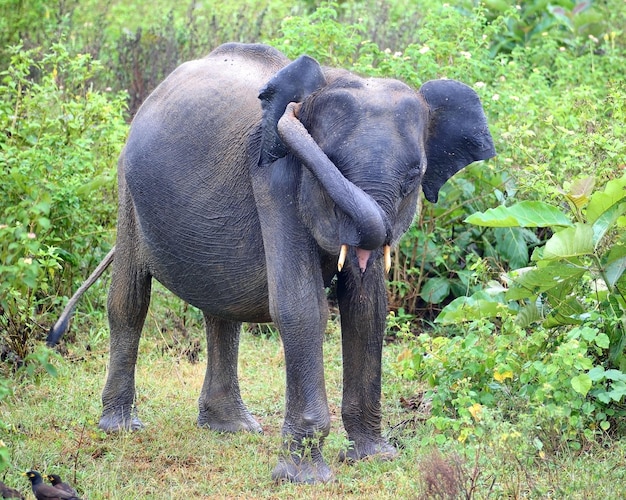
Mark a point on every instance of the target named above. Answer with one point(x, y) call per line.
point(435, 290)
point(606, 220)
point(523, 214)
point(528, 315)
point(511, 243)
point(614, 192)
point(462, 309)
point(582, 384)
point(570, 242)
point(615, 270)
point(541, 279)
point(565, 312)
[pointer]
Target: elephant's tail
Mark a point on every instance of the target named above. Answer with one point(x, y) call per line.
point(59, 328)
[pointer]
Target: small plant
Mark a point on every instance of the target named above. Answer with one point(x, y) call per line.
point(5, 391)
point(439, 257)
point(321, 35)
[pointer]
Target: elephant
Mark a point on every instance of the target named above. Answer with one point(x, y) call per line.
point(247, 183)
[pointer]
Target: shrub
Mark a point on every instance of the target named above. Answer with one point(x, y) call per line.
point(527, 22)
point(513, 354)
point(59, 146)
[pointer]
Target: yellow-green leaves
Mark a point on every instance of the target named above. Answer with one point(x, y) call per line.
point(574, 241)
point(522, 214)
point(580, 191)
point(582, 260)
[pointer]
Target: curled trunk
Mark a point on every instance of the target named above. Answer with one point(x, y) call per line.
point(368, 218)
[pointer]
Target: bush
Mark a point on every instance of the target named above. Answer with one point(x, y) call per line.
point(527, 22)
point(514, 354)
point(59, 147)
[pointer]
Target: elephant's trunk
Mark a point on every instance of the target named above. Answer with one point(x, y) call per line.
point(369, 219)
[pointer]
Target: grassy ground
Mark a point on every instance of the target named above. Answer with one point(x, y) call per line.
point(53, 428)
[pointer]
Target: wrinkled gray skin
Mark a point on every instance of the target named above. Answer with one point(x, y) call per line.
point(227, 201)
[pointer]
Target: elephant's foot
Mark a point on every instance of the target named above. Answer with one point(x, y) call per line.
point(297, 469)
point(225, 420)
point(121, 418)
point(377, 449)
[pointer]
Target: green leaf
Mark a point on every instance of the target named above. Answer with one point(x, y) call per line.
point(44, 222)
point(471, 308)
point(531, 283)
point(5, 457)
point(103, 180)
point(596, 373)
point(603, 341)
point(523, 214)
point(585, 332)
point(581, 384)
point(614, 262)
point(43, 207)
point(601, 201)
point(565, 312)
point(511, 244)
point(528, 315)
point(606, 220)
point(499, 5)
point(618, 391)
point(616, 375)
point(435, 290)
point(570, 242)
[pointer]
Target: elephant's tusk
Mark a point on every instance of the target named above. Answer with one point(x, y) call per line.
point(344, 252)
point(342, 257)
point(387, 257)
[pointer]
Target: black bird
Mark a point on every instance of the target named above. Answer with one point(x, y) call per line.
point(6, 492)
point(43, 491)
point(57, 482)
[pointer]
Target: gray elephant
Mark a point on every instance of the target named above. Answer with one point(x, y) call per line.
point(247, 183)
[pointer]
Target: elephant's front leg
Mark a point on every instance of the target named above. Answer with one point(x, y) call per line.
point(220, 404)
point(363, 308)
point(307, 419)
point(300, 310)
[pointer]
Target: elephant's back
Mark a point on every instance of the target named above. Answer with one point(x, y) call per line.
point(186, 167)
point(203, 105)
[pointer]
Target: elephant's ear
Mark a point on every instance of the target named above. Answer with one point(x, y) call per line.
point(291, 84)
point(457, 133)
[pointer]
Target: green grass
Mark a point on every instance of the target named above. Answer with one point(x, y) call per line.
point(52, 426)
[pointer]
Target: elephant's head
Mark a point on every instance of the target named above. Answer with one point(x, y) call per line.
point(368, 145)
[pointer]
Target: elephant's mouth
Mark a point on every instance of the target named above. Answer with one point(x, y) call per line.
point(363, 257)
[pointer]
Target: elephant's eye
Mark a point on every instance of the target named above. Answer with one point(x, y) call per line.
point(412, 179)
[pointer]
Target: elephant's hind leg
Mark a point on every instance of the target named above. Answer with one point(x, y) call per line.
point(220, 404)
point(129, 298)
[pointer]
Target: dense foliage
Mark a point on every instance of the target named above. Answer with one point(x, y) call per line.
point(521, 261)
